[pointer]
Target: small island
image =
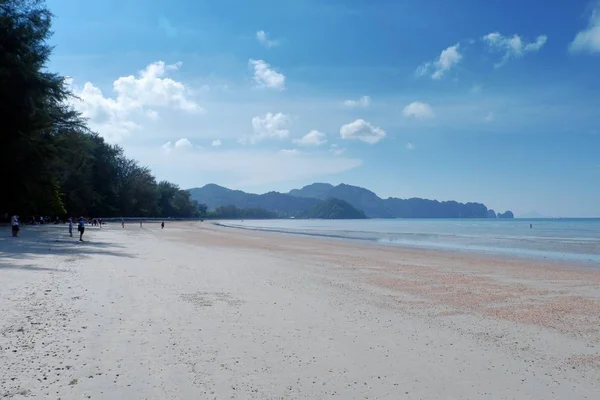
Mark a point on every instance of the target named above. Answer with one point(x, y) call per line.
point(506, 215)
point(335, 209)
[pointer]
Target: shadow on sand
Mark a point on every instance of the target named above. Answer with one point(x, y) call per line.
point(41, 241)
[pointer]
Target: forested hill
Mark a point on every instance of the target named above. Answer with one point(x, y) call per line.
point(298, 201)
point(51, 163)
point(335, 209)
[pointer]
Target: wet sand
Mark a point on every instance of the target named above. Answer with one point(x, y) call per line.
point(196, 311)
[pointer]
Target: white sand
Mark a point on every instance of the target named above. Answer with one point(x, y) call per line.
point(198, 312)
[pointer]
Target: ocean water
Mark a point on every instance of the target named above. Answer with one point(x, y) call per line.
point(558, 239)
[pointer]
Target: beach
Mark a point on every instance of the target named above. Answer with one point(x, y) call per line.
point(198, 311)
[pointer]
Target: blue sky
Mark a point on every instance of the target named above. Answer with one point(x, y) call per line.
point(494, 101)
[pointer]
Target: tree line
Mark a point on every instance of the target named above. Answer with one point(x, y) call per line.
point(51, 163)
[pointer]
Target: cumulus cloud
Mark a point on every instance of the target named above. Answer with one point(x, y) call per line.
point(183, 143)
point(216, 143)
point(180, 144)
point(448, 58)
point(265, 76)
point(269, 126)
point(312, 138)
point(363, 102)
point(588, 40)
point(512, 47)
point(418, 110)
point(363, 131)
point(263, 38)
point(111, 117)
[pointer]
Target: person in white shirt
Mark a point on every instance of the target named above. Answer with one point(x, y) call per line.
point(14, 221)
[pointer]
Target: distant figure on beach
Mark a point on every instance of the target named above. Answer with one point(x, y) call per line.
point(71, 226)
point(81, 228)
point(14, 221)
point(530, 226)
point(162, 225)
point(122, 223)
point(140, 224)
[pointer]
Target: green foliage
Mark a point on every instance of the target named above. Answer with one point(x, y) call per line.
point(51, 163)
point(232, 212)
point(335, 209)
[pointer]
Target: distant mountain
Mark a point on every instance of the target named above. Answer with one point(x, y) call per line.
point(335, 209)
point(299, 201)
point(314, 191)
point(375, 207)
point(506, 215)
point(283, 204)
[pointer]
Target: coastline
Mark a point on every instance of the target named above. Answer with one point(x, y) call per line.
point(590, 261)
point(200, 311)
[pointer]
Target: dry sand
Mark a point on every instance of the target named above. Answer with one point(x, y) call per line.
point(196, 311)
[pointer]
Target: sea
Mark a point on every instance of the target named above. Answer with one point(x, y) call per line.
point(557, 239)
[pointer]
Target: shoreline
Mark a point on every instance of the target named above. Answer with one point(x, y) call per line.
point(570, 260)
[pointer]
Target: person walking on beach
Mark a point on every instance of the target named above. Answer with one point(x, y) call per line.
point(71, 226)
point(122, 223)
point(140, 224)
point(81, 228)
point(162, 225)
point(14, 222)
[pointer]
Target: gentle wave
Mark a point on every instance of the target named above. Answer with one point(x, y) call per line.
point(576, 240)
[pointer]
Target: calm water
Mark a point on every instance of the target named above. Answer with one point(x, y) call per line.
point(561, 239)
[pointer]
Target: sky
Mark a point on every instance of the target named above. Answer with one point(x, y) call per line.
point(496, 101)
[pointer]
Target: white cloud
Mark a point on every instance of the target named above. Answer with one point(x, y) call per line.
point(216, 143)
point(263, 39)
point(363, 102)
point(151, 89)
point(448, 58)
point(418, 110)
point(410, 146)
point(112, 117)
point(512, 47)
point(107, 116)
point(588, 40)
point(265, 76)
point(180, 144)
point(336, 150)
point(183, 143)
point(312, 138)
point(363, 131)
point(269, 126)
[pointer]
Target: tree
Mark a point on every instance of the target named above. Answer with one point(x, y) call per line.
point(51, 162)
point(33, 109)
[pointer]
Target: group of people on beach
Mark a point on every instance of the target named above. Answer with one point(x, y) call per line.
point(81, 221)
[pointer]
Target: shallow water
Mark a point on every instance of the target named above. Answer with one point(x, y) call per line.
point(559, 239)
